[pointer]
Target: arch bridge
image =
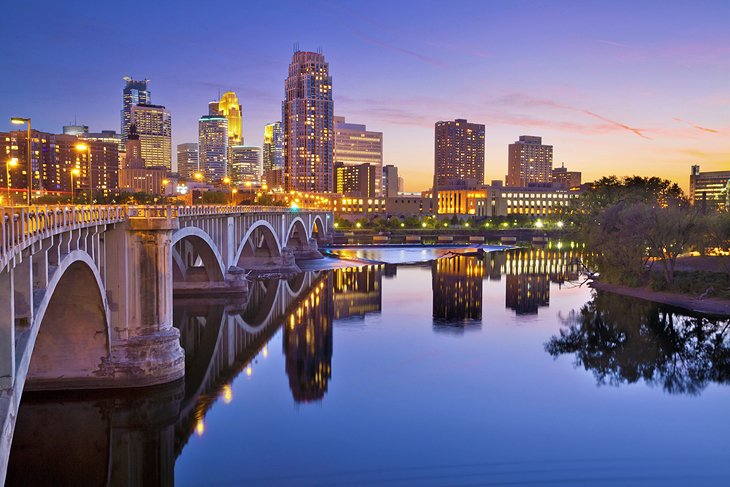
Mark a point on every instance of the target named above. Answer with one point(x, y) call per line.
point(86, 291)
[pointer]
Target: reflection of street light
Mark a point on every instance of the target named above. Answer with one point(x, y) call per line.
point(21, 121)
point(74, 172)
point(87, 148)
point(11, 163)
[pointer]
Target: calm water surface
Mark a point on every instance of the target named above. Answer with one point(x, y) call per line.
point(451, 372)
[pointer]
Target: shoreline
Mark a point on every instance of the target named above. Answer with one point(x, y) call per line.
point(716, 307)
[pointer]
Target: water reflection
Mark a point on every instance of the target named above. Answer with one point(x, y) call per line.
point(357, 291)
point(457, 290)
point(624, 340)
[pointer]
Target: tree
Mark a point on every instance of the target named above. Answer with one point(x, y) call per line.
point(669, 231)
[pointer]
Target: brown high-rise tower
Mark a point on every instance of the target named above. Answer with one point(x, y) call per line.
point(459, 154)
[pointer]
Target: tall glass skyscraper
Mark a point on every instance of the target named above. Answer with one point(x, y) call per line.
point(134, 93)
point(273, 146)
point(154, 128)
point(213, 146)
point(307, 118)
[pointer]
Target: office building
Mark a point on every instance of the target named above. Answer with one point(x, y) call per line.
point(229, 107)
point(273, 149)
point(274, 178)
point(308, 124)
point(154, 129)
point(75, 129)
point(529, 161)
point(245, 164)
point(136, 175)
point(213, 147)
point(459, 154)
point(566, 179)
point(709, 189)
point(355, 180)
point(134, 93)
point(187, 160)
point(390, 181)
point(355, 145)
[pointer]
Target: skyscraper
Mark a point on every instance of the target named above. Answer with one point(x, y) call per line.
point(213, 146)
point(390, 180)
point(308, 124)
point(154, 128)
point(134, 93)
point(273, 150)
point(245, 164)
point(355, 145)
point(459, 154)
point(529, 161)
point(187, 159)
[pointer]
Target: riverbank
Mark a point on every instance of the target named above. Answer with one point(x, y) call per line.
point(710, 306)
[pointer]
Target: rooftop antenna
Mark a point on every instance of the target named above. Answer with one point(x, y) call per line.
point(296, 47)
point(319, 50)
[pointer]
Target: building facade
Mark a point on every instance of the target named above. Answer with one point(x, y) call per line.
point(134, 93)
point(273, 148)
point(213, 147)
point(710, 189)
point(355, 180)
point(459, 154)
point(529, 161)
point(229, 107)
point(154, 128)
point(391, 185)
point(355, 145)
point(307, 118)
point(187, 160)
point(245, 164)
point(135, 175)
point(567, 179)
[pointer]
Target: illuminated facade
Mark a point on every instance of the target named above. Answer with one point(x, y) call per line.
point(134, 93)
point(229, 107)
point(245, 164)
point(710, 189)
point(357, 291)
point(355, 180)
point(135, 175)
point(273, 149)
point(154, 128)
point(457, 289)
point(187, 160)
point(537, 201)
point(355, 145)
point(459, 154)
point(529, 161)
point(213, 147)
point(463, 202)
point(308, 124)
point(566, 179)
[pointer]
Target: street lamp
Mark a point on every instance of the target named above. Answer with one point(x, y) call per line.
point(198, 176)
point(74, 172)
point(11, 163)
point(81, 148)
point(21, 121)
point(227, 180)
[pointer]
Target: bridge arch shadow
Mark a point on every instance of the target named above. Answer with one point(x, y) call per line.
point(260, 249)
point(70, 337)
point(317, 232)
point(195, 257)
point(297, 236)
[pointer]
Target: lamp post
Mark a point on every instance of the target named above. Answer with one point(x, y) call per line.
point(21, 121)
point(11, 163)
point(87, 148)
point(74, 172)
point(227, 181)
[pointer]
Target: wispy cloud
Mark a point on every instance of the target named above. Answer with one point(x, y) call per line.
point(401, 50)
point(698, 127)
point(615, 44)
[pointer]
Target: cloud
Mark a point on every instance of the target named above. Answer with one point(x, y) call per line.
point(423, 58)
point(698, 127)
point(616, 44)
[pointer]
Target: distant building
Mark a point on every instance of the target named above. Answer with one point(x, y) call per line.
point(407, 205)
point(710, 189)
point(529, 161)
point(401, 184)
point(274, 178)
point(213, 147)
point(136, 175)
point(109, 136)
point(567, 179)
point(229, 107)
point(75, 129)
point(134, 93)
point(187, 160)
point(459, 154)
point(273, 148)
point(390, 181)
point(489, 201)
point(355, 180)
point(154, 128)
point(308, 124)
point(355, 145)
point(245, 164)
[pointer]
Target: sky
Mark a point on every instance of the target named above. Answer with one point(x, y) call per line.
point(620, 87)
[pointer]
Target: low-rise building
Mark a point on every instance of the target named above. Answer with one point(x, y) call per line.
point(711, 189)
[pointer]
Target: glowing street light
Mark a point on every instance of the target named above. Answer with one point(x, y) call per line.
point(21, 121)
point(74, 172)
point(198, 176)
point(11, 163)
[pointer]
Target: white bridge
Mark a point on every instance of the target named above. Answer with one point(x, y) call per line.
point(86, 292)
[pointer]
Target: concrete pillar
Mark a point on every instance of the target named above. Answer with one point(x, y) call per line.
point(23, 288)
point(7, 329)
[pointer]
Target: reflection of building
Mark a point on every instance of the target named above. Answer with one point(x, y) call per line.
point(529, 161)
point(357, 291)
point(525, 293)
point(308, 124)
point(457, 289)
point(709, 189)
point(307, 344)
point(355, 146)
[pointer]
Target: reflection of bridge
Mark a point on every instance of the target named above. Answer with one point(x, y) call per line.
point(87, 291)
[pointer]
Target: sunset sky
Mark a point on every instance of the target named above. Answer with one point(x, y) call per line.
point(616, 87)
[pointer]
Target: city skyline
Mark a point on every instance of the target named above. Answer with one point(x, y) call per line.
point(639, 90)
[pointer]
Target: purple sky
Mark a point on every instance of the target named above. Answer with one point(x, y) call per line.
point(617, 87)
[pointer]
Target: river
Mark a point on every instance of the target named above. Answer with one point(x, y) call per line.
point(407, 371)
